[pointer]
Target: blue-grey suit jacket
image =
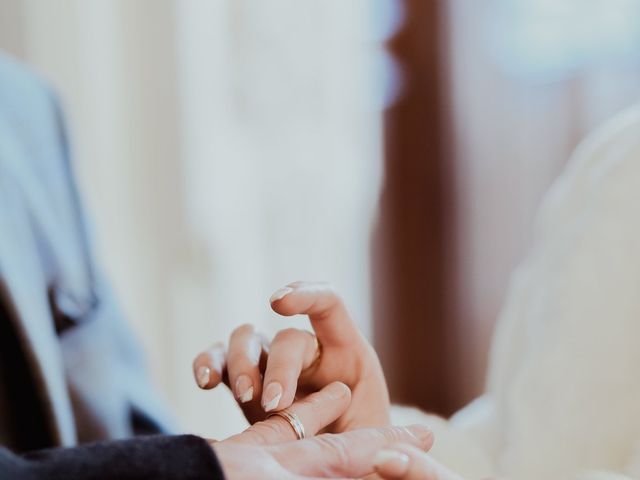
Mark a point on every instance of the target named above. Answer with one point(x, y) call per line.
point(85, 367)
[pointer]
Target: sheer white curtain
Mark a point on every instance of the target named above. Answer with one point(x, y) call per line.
point(224, 148)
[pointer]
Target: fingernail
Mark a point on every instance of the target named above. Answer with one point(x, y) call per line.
point(280, 294)
point(272, 396)
point(393, 463)
point(203, 375)
point(244, 389)
point(423, 434)
point(337, 390)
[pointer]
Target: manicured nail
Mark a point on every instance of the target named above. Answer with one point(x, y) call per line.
point(203, 375)
point(391, 462)
point(244, 389)
point(280, 294)
point(271, 397)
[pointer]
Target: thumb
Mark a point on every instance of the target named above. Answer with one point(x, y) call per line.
point(404, 462)
point(347, 454)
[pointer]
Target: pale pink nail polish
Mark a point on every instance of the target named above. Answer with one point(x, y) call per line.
point(244, 389)
point(203, 375)
point(280, 294)
point(271, 397)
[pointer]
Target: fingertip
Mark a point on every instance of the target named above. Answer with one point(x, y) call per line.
point(292, 299)
point(405, 461)
point(280, 294)
point(201, 371)
point(286, 305)
point(390, 463)
point(338, 390)
point(423, 435)
point(341, 394)
point(207, 367)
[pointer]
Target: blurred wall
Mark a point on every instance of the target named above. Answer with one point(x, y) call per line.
point(413, 239)
point(494, 97)
point(529, 79)
point(224, 148)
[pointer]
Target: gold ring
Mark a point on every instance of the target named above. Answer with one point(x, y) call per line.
point(293, 420)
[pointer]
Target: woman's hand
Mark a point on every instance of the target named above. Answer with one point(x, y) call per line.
point(266, 378)
point(266, 449)
point(405, 462)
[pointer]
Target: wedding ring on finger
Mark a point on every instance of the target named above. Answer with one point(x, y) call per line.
point(293, 420)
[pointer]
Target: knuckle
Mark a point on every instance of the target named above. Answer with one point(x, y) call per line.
point(242, 330)
point(258, 435)
point(237, 358)
point(337, 448)
point(396, 434)
point(271, 430)
point(282, 373)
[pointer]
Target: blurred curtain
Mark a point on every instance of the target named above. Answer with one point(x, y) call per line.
point(412, 241)
point(224, 148)
point(495, 96)
point(530, 78)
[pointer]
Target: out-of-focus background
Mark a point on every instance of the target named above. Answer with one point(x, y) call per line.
point(398, 148)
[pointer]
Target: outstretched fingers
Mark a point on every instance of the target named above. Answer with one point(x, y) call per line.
point(315, 412)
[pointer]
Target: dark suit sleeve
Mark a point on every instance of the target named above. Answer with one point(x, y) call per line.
point(158, 457)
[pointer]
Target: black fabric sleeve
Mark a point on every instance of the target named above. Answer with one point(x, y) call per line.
point(157, 457)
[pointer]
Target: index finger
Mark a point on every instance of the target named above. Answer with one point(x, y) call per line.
point(327, 312)
point(315, 412)
point(347, 454)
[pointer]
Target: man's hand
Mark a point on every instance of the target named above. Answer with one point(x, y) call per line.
point(346, 455)
point(267, 378)
point(267, 449)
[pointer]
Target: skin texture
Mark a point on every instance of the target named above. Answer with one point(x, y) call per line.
point(332, 379)
point(346, 455)
point(292, 365)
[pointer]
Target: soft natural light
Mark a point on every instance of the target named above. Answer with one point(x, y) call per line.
point(544, 39)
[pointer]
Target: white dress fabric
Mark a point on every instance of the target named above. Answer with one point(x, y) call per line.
point(563, 390)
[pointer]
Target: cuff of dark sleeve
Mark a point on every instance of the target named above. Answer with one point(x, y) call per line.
point(158, 457)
